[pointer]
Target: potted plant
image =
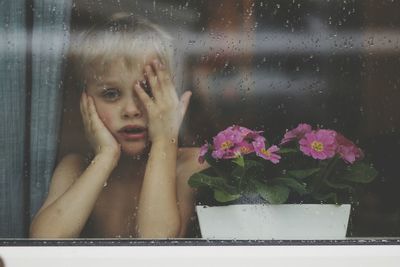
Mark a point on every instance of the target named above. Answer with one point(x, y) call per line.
point(252, 181)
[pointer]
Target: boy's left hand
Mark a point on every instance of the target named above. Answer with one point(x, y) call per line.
point(165, 110)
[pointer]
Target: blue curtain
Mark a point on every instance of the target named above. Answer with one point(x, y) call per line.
point(28, 142)
point(49, 45)
point(13, 42)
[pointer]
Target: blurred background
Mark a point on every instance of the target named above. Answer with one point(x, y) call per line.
point(266, 65)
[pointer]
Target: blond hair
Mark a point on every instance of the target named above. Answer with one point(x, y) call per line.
point(123, 35)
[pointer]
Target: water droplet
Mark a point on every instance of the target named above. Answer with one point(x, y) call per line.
point(173, 140)
point(105, 184)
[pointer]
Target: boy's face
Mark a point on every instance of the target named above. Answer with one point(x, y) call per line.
point(118, 106)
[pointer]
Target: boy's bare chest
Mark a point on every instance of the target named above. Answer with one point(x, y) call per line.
point(115, 212)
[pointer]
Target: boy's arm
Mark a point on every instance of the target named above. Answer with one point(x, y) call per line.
point(158, 210)
point(73, 192)
point(158, 213)
point(167, 201)
point(72, 196)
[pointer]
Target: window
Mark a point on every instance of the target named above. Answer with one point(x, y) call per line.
point(265, 65)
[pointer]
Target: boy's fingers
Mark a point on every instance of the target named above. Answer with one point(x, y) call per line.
point(85, 114)
point(152, 80)
point(163, 75)
point(89, 113)
point(81, 104)
point(143, 96)
point(164, 80)
point(94, 118)
point(84, 108)
point(185, 99)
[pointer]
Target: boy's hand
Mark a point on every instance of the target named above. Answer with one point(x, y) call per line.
point(165, 110)
point(96, 132)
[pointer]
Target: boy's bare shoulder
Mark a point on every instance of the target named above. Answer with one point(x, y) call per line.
point(188, 152)
point(188, 162)
point(188, 155)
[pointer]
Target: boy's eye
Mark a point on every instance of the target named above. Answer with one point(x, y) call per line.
point(110, 94)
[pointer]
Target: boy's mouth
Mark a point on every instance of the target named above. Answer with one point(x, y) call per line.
point(133, 132)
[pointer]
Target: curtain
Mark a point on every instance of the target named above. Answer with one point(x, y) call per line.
point(29, 141)
point(49, 44)
point(13, 42)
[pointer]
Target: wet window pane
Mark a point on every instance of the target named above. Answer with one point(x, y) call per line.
point(118, 166)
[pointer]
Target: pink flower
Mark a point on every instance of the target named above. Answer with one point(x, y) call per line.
point(234, 141)
point(249, 136)
point(225, 142)
point(245, 133)
point(244, 148)
point(320, 144)
point(296, 133)
point(203, 152)
point(347, 150)
point(268, 154)
point(242, 130)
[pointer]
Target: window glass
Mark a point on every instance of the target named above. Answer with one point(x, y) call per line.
point(261, 64)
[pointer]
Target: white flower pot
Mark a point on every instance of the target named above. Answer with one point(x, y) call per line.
point(265, 221)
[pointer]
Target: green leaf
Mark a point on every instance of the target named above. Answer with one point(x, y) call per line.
point(291, 183)
point(239, 161)
point(274, 194)
point(210, 160)
point(222, 196)
point(255, 167)
point(336, 185)
point(301, 174)
point(360, 173)
point(238, 172)
point(202, 180)
point(249, 164)
point(287, 150)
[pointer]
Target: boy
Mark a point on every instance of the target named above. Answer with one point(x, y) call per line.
point(136, 184)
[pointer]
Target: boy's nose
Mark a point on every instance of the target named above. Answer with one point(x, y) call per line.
point(131, 110)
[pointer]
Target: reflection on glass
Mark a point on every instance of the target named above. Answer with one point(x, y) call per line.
point(263, 65)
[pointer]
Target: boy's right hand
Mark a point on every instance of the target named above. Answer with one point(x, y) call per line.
point(96, 132)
